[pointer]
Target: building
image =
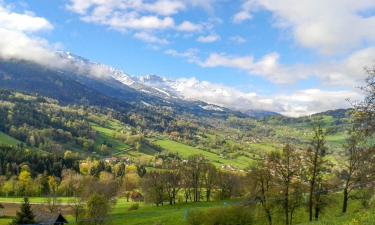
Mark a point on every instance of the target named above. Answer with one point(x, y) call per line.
point(44, 218)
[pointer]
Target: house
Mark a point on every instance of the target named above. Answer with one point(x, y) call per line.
point(136, 196)
point(44, 218)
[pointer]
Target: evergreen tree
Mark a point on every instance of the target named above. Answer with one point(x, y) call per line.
point(25, 216)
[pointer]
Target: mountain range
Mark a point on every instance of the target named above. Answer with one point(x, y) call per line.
point(81, 80)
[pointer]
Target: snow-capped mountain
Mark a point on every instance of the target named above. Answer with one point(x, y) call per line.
point(86, 67)
point(216, 97)
point(83, 82)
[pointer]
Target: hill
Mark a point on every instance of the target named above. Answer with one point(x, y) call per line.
point(45, 124)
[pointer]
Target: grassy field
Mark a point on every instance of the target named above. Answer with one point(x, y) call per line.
point(7, 140)
point(177, 215)
point(33, 200)
point(145, 215)
point(105, 134)
point(185, 151)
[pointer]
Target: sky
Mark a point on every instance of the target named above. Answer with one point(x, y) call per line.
point(288, 56)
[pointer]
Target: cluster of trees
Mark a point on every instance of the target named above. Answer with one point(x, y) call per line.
point(42, 123)
point(293, 177)
point(12, 159)
point(192, 180)
point(35, 174)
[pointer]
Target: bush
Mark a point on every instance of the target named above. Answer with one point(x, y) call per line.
point(238, 215)
point(134, 206)
point(195, 217)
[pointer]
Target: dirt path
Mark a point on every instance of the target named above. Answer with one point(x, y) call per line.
point(10, 209)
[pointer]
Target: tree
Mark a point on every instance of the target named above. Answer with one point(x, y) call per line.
point(153, 188)
point(210, 177)
point(228, 184)
point(25, 215)
point(25, 181)
point(172, 180)
point(77, 205)
point(357, 165)
point(195, 168)
point(141, 171)
point(287, 169)
point(364, 112)
point(52, 183)
point(98, 209)
point(263, 188)
point(316, 166)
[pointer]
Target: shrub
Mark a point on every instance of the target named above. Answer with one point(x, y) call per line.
point(238, 215)
point(134, 206)
point(196, 217)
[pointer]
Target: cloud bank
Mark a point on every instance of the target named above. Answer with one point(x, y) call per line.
point(327, 26)
point(18, 40)
point(299, 103)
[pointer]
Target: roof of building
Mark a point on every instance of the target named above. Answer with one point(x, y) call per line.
point(49, 218)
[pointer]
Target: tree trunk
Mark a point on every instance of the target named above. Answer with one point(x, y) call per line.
point(286, 205)
point(311, 201)
point(269, 217)
point(312, 186)
point(317, 212)
point(345, 201)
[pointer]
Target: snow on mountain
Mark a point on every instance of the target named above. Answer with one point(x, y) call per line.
point(212, 108)
point(86, 67)
point(216, 97)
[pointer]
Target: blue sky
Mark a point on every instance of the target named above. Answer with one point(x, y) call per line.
point(307, 54)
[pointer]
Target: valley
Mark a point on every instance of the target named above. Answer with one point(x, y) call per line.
point(187, 112)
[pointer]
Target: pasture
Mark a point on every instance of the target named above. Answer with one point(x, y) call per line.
point(7, 140)
point(177, 215)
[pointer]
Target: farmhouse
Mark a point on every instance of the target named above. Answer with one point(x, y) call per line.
point(50, 219)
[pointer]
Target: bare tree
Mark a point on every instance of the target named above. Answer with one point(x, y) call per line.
point(153, 188)
point(77, 205)
point(172, 180)
point(210, 176)
point(357, 166)
point(287, 168)
point(316, 166)
point(195, 166)
point(263, 187)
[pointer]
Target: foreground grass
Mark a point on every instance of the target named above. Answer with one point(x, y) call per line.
point(146, 214)
point(177, 215)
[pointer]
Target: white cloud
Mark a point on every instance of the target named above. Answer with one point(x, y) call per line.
point(209, 38)
point(165, 7)
point(268, 67)
point(305, 102)
point(188, 26)
point(191, 55)
point(133, 22)
point(328, 26)
point(244, 13)
point(150, 38)
point(237, 39)
point(139, 15)
point(22, 22)
point(18, 40)
point(347, 72)
point(299, 103)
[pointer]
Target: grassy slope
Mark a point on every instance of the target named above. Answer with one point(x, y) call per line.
point(7, 140)
point(185, 151)
point(106, 134)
